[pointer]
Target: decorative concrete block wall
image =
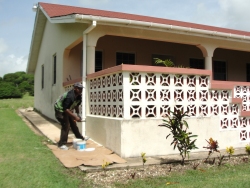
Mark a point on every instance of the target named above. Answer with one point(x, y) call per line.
point(127, 103)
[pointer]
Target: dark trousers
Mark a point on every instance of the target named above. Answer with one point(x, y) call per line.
point(66, 122)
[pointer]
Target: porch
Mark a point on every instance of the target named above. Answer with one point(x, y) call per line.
point(125, 103)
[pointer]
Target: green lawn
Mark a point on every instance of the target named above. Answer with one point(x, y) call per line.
point(25, 102)
point(24, 160)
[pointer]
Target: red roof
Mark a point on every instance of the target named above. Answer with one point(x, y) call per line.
point(54, 10)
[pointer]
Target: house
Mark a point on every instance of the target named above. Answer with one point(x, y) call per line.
point(126, 94)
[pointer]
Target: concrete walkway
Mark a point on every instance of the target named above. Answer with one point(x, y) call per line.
point(51, 130)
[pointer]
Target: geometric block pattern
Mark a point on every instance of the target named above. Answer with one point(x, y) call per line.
point(106, 95)
point(152, 95)
point(244, 122)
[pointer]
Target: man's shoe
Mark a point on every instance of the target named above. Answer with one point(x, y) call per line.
point(63, 147)
point(86, 138)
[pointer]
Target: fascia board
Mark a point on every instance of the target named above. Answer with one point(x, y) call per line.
point(162, 27)
point(63, 19)
point(34, 45)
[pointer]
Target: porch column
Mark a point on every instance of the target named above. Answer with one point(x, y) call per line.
point(208, 63)
point(207, 51)
point(90, 59)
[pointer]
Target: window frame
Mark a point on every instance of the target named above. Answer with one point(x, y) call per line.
point(197, 59)
point(42, 77)
point(54, 68)
point(248, 72)
point(218, 74)
point(101, 59)
point(125, 53)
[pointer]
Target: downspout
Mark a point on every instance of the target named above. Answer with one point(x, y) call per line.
point(84, 71)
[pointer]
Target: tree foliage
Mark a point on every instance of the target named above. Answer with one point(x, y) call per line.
point(9, 90)
point(15, 85)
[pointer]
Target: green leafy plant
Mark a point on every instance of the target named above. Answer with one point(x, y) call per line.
point(167, 62)
point(212, 146)
point(221, 157)
point(230, 151)
point(181, 137)
point(143, 157)
point(247, 149)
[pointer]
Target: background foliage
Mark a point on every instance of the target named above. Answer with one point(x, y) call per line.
point(15, 85)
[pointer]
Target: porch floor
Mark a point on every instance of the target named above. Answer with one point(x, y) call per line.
point(91, 161)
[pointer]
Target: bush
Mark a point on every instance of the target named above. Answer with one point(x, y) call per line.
point(31, 91)
point(9, 90)
point(178, 129)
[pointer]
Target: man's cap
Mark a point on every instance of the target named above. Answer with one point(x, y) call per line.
point(78, 84)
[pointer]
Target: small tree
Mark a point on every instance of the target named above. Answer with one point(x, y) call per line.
point(181, 137)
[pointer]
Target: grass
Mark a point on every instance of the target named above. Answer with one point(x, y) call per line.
point(226, 176)
point(25, 102)
point(24, 160)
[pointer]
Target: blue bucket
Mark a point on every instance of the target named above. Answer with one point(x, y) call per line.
point(81, 146)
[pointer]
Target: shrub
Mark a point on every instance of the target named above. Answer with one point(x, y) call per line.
point(167, 62)
point(181, 137)
point(212, 146)
point(247, 149)
point(230, 151)
point(9, 90)
point(143, 157)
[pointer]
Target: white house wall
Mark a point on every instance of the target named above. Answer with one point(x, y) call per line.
point(57, 39)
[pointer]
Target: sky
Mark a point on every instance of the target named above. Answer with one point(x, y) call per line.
point(17, 20)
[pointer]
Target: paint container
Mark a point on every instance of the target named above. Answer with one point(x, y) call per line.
point(81, 145)
point(75, 141)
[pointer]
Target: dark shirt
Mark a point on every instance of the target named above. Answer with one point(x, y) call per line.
point(68, 101)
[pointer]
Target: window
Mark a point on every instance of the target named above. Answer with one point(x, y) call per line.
point(98, 61)
point(248, 72)
point(162, 57)
point(125, 58)
point(42, 76)
point(219, 70)
point(81, 64)
point(196, 63)
point(54, 69)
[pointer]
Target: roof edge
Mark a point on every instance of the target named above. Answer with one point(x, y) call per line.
point(151, 26)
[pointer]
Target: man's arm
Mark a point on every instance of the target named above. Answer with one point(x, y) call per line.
point(71, 114)
point(77, 111)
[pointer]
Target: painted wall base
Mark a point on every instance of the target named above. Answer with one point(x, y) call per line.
point(128, 138)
